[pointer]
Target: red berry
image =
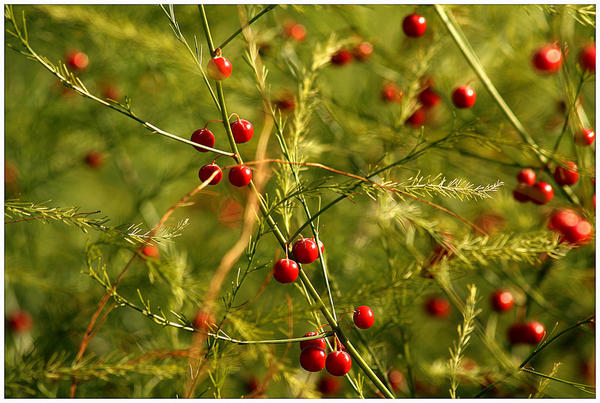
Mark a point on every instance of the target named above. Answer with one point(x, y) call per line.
point(580, 233)
point(548, 59)
point(295, 31)
point(521, 193)
point(502, 301)
point(587, 58)
point(204, 137)
point(313, 359)
point(77, 60)
point(585, 137)
point(429, 98)
point(341, 57)
point(338, 363)
point(438, 307)
point(111, 92)
point(318, 343)
point(285, 105)
point(20, 322)
point(526, 176)
point(391, 93)
point(207, 170)
point(562, 220)
point(240, 175)
point(219, 68)
point(285, 271)
point(242, 130)
point(251, 384)
point(94, 159)
point(414, 25)
point(329, 385)
point(417, 118)
point(203, 320)
point(363, 51)
point(541, 193)
point(396, 379)
point(151, 251)
point(305, 250)
point(526, 333)
point(363, 317)
point(464, 97)
point(566, 176)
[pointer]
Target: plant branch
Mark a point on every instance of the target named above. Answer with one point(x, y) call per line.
point(252, 20)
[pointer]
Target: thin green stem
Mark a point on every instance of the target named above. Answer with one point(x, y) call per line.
point(568, 114)
point(490, 387)
point(583, 387)
point(256, 17)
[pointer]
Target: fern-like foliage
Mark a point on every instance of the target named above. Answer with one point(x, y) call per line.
point(464, 335)
point(21, 211)
point(457, 188)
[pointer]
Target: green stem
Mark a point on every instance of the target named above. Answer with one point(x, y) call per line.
point(571, 107)
point(256, 17)
point(490, 387)
point(583, 387)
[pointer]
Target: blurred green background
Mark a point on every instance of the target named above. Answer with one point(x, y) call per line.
point(49, 131)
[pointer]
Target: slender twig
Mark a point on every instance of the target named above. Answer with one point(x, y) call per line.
point(568, 114)
point(256, 17)
point(583, 387)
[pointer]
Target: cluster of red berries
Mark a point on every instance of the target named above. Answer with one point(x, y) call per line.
point(530, 190)
point(219, 68)
point(313, 357)
point(338, 362)
point(548, 59)
point(305, 251)
point(428, 98)
point(519, 333)
point(572, 228)
point(360, 52)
